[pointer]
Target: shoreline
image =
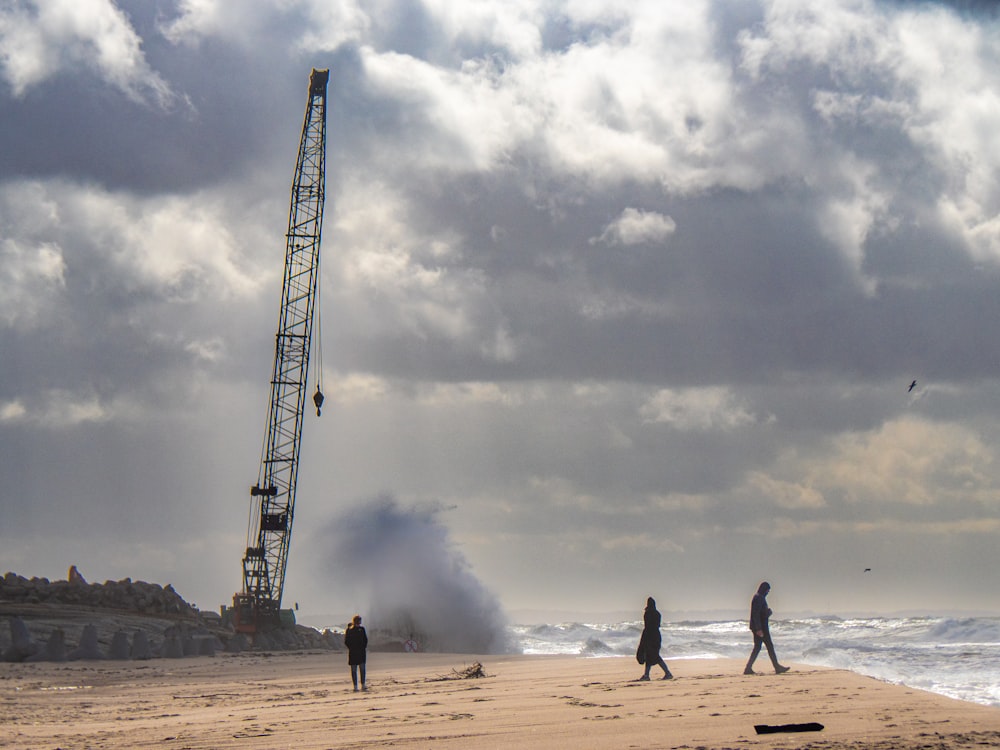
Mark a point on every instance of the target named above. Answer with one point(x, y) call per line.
point(305, 700)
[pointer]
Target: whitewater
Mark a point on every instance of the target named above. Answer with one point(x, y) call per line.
point(956, 657)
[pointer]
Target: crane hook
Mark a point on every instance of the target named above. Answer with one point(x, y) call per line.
point(318, 400)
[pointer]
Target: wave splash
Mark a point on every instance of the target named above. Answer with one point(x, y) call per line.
point(418, 585)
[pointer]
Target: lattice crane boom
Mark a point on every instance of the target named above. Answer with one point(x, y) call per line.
point(272, 499)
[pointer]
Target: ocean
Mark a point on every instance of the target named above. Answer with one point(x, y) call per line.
point(956, 657)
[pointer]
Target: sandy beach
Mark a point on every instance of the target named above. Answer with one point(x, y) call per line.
point(305, 701)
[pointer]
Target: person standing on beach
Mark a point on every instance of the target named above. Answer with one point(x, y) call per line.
point(356, 640)
point(760, 613)
point(650, 640)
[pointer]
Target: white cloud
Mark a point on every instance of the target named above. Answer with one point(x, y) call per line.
point(40, 39)
point(173, 242)
point(708, 408)
point(329, 23)
point(918, 531)
point(511, 25)
point(852, 210)
point(635, 542)
point(472, 394)
point(951, 65)
point(58, 409)
point(611, 305)
point(909, 461)
point(12, 411)
point(414, 282)
point(180, 245)
point(333, 23)
point(636, 227)
point(202, 18)
point(207, 350)
point(467, 119)
point(649, 102)
point(925, 73)
point(784, 494)
point(30, 278)
point(354, 388)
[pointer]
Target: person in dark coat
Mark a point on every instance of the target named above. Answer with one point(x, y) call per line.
point(356, 640)
point(650, 640)
point(760, 613)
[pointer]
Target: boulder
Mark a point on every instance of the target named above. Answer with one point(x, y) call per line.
point(119, 646)
point(88, 648)
point(141, 649)
point(54, 648)
point(21, 644)
point(172, 647)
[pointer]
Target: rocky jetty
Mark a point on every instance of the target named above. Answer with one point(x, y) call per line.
point(72, 619)
point(125, 595)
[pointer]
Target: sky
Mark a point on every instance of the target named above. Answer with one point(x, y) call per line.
point(617, 299)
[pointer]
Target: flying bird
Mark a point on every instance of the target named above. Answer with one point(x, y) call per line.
point(868, 570)
point(912, 386)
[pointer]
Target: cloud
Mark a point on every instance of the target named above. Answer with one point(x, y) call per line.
point(177, 245)
point(614, 281)
point(786, 528)
point(45, 39)
point(710, 408)
point(58, 410)
point(466, 119)
point(911, 462)
point(513, 28)
point(925, 75)
point(403, 278)
point(635, 227)
point(28, 277)
point(785, 494)
point(12, 411)
point(316, 25)
point(636, 542)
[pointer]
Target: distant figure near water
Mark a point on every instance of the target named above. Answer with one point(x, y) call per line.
point(356, 640)
point(760, 613)
point(650, 641)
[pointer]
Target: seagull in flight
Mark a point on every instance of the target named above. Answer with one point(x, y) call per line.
point(868, 570)
point(912, 386)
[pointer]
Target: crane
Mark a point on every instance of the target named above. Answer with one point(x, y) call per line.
point(272, 498)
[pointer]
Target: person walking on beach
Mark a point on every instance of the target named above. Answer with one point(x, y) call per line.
point(760, 613)
point(356, 640)
point(650, 640)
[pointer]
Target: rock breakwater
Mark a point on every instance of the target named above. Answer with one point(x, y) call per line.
point(71, 619)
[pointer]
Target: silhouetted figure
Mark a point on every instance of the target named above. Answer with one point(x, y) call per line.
point(356, 640)
point(760, 613)
point(650, 641)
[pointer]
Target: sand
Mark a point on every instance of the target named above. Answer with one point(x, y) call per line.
point(305, 701)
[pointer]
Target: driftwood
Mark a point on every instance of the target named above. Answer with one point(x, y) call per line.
point(771, 729)
point(471, 672)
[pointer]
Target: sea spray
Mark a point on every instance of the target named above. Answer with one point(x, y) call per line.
point(418, 585)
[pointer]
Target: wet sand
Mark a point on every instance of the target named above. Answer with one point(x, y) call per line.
point(305, 701)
